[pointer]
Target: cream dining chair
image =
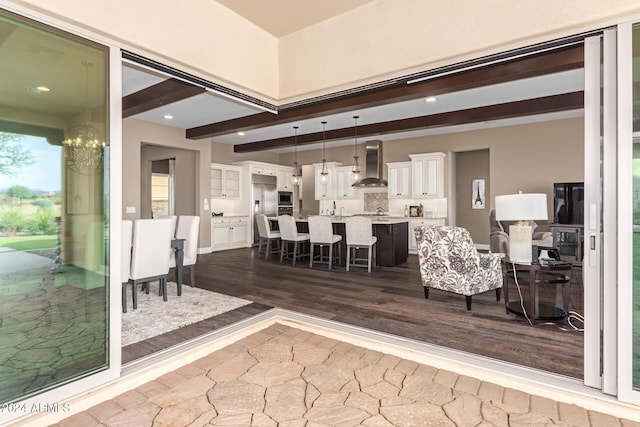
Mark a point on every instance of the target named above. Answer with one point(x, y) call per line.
point(289, 235)
point(126, 229)
point(267, 236)
point(188, 229)
point(150, 254)
point(359, 237)
point(321, 234)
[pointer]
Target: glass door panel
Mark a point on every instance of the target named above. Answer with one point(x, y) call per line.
point(53, 208)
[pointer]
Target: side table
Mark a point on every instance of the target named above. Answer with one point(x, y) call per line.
point(537, 275)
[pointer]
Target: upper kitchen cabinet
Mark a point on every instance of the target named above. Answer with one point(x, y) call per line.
point(225, 181)
point(428, 175)
point(284, 175)
point(344, 183)
point(399, 174)
point(325, 190)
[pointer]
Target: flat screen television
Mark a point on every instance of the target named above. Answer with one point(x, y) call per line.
point(568, 203)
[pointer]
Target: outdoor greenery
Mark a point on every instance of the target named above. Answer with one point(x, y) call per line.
point(23, 213)
point(29, 243)
point(13, 153)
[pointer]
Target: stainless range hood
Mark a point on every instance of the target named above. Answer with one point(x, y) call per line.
point(373, 167)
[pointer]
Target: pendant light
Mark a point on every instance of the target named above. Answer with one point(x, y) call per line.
point(324, 174)
point(355, 170)
point(295, 180)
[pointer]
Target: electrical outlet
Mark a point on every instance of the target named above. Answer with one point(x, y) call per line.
point(130, 209)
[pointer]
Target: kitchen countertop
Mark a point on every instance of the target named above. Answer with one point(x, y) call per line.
point(377, 219)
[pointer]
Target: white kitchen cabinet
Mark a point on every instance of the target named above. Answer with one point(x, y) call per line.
point(428, 175)
point(325, 190)
point(264, 170)
point(344, 187)
point(399, 174)
point(225, 181)
point(284, 176)
point(416, 222)
point(229, 233)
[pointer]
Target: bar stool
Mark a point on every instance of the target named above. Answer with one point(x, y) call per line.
point(289, 234)
point(358, 230)
point(321, 234)
point(267, 236)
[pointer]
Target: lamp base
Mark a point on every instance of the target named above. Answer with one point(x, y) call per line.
point(520, 243)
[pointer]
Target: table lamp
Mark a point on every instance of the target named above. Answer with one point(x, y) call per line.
point(522, 208)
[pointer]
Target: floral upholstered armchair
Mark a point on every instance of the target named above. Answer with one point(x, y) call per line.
point(449, 261)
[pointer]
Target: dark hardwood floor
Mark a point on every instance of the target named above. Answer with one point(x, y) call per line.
point(390, 300)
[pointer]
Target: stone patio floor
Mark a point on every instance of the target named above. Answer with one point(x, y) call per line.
point(286, 377)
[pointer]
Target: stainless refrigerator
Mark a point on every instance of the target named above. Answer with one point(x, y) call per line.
point(265, 200)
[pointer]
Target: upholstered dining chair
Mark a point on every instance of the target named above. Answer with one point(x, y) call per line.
point(126, 229)
point(289, 235)
point(150, 254)
point(267, 236)
point(174, 222)
point(188, 228)
point(321, 235)
point(449, 261)
point(359, 236)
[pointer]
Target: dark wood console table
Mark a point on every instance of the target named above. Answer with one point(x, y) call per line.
point(537, 275)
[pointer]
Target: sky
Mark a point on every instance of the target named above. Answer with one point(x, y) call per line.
point(44, 174)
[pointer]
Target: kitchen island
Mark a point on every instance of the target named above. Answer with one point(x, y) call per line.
point(392, 247)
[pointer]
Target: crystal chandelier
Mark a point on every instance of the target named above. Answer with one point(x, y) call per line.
point(355, 170)
point(324, 174)
point(83, 144)
point(295, 180)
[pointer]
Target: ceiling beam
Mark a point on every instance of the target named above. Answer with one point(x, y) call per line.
point(546, 104)
point(568, 58)
point(163, 93)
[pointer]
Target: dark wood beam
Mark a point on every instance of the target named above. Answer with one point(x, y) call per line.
point(163, 93)
point(549, 62)
point(547, 104)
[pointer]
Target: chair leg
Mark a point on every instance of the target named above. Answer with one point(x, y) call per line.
point(163, 286)
point(348, 256)
point(311, 246)
point(426, 292)
point(468, 298)
point(124, 297)
point(282, 250)
point(498, 291)
point(179, 285)
point(192, 275)
point(369, 258)
point(295, 252)
point(134, 292)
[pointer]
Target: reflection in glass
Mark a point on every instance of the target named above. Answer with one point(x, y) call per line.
point(53, 222)
point(636, 207)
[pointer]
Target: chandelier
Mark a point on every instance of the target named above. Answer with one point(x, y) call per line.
point(83, 144)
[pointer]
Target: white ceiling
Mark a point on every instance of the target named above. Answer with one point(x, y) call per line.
point(283, 17)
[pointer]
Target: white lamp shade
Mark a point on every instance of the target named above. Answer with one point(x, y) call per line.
point(521, 207)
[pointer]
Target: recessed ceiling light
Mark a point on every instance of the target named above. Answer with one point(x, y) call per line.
point(38, 89)
point(431, 99)
point(240, 133)
point(168, 116)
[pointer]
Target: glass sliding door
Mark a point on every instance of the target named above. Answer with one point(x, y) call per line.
point(54, 208)
point(629, 212)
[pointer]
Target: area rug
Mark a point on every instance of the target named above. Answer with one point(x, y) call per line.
point(154, 316)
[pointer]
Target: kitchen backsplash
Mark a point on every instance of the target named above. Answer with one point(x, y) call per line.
point(373, 201)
